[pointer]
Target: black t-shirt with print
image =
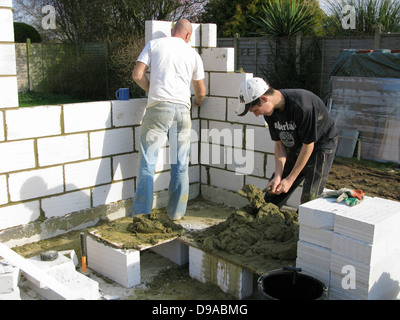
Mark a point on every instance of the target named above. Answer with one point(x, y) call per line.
point(305, 119)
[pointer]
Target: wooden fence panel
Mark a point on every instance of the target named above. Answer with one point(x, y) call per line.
point(255, 53)
point(45, 58)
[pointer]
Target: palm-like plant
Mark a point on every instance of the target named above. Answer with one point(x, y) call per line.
point(286, 18)
point(368, 15)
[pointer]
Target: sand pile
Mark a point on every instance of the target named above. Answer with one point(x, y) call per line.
point(256, 235)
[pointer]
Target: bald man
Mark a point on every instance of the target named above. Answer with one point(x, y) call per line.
point(174, 65)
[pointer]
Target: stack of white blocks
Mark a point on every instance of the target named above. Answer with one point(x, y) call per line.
point(355, 250)
point(63, 270)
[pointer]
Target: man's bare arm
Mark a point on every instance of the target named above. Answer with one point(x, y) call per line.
point(139, 76)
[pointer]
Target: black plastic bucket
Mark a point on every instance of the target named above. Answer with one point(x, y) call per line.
point(288, 284)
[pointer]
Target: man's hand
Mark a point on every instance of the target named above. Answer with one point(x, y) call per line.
point(278, 186)
point(200, 91)
point(284, 186)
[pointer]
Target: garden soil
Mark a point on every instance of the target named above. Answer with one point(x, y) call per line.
point(259, 236)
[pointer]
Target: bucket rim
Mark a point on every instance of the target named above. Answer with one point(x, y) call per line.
point(260, 281)
point(276, 271)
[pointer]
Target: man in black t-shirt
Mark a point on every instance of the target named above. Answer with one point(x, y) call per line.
point(304, 133)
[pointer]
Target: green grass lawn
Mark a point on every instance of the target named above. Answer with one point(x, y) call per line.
point(31, 99)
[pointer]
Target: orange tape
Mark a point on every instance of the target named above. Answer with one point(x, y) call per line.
point(83, 263)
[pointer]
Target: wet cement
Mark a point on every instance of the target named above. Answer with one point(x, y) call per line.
point(260, 237)
point(140, 232)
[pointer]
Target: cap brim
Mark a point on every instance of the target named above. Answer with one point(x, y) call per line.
point(242, 109)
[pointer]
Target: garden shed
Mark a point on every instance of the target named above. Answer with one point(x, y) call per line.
point(365, 102)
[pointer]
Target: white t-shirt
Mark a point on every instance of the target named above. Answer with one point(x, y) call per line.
point(173, 65)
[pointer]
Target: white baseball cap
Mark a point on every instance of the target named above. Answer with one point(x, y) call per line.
point(249, 91)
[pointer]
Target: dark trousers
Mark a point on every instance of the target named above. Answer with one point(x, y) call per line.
point(314, 175)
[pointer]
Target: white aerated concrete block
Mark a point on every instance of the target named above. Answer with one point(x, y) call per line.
point(365, 252)
point(213, 108)
point(174, 250)
point(128, 113)
point(194, 174)
point(2, 138)
point(218, 59)
point(6, 3)
point(17, 155)
point(64, 149)
point(363, 286)
point(125, 166)
point(264, 145)
point(113, 192)
point(195, 39)
point(59, 206)
point(110, 142)
point(369, 221)
point(19, 214)
point(214, 155)
point(295, 199)
point(7, 61)
point(122, 266)
point(227, 84)
point(87, 174)
point(322, 274)
point(314, 254)
point(6, 24)
point(157, 29)
point(9, 277)
point(33, 122)
point(63, 270)
point(3, 189)
point(317, 236)
point(378, 281)
point(318, 213)
point(36, 183)
point(87, 116)
point(339, 295)
point(14, 295)
point(226, 179)
point(218, 132)
point(246, 162)
point(231, 278)
point(8, 91)
point(209, 35)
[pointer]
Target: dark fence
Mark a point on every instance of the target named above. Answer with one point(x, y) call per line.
point(37, 62)
point(255, 54)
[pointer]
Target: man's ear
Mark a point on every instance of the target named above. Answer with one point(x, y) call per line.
point(263, 98)
point(187, 37)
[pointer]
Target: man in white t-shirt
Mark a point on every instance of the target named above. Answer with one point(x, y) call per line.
point(173, 66)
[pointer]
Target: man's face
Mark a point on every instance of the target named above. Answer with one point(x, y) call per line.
point(263, 107)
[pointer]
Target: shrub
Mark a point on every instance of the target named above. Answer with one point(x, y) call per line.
point(23, 31)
